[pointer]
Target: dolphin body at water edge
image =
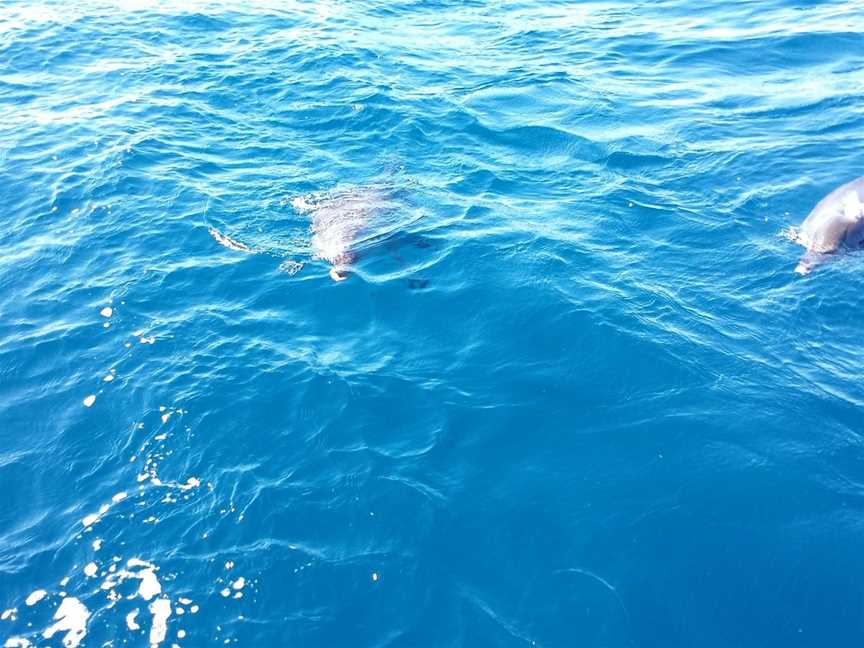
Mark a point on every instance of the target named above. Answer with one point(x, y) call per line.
point(338, 222)
point(835, 224)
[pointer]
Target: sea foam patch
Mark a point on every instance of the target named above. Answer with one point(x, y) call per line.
point(161, 610)
point(71, 618)
point(121, 582)
point(35, 597)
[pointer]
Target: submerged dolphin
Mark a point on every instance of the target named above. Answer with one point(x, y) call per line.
point(835, 224)
point(342, 222)
point(338, 221)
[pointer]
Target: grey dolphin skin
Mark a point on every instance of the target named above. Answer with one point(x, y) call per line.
point(834, 225)
point(338, 221)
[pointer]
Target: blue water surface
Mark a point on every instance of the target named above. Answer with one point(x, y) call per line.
point(573, 396)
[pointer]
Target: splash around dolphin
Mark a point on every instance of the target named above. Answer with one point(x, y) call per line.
point(836, 224)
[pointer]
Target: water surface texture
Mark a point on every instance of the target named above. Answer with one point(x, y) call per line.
point(571, 394)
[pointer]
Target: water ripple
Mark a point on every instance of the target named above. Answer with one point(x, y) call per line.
point(572, 393)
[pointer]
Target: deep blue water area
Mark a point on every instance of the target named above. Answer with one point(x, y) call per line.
point(571, 392)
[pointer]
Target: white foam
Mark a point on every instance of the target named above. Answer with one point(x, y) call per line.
point(291, 267)
point(17, 642)
point(302, 205)
point(88, 402)
point(149, 586)
point(239, 583)
point(35, 597)
point(147, 340)
point(119, 497)
point(161, 610)
point(226, 592)
point(70, 617)
point(108, 377)
point(91, 569)
point(97, 544)
point(137, 562)
point(106, 312)
point(130, 620)
point(192, 482)
point(64, 581)
point(194, 609)
point(181, 634)
point(228, 242)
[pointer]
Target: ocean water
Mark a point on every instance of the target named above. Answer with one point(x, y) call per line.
point(570, 394)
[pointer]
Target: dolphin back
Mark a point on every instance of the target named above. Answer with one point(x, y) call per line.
point(836, 221)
